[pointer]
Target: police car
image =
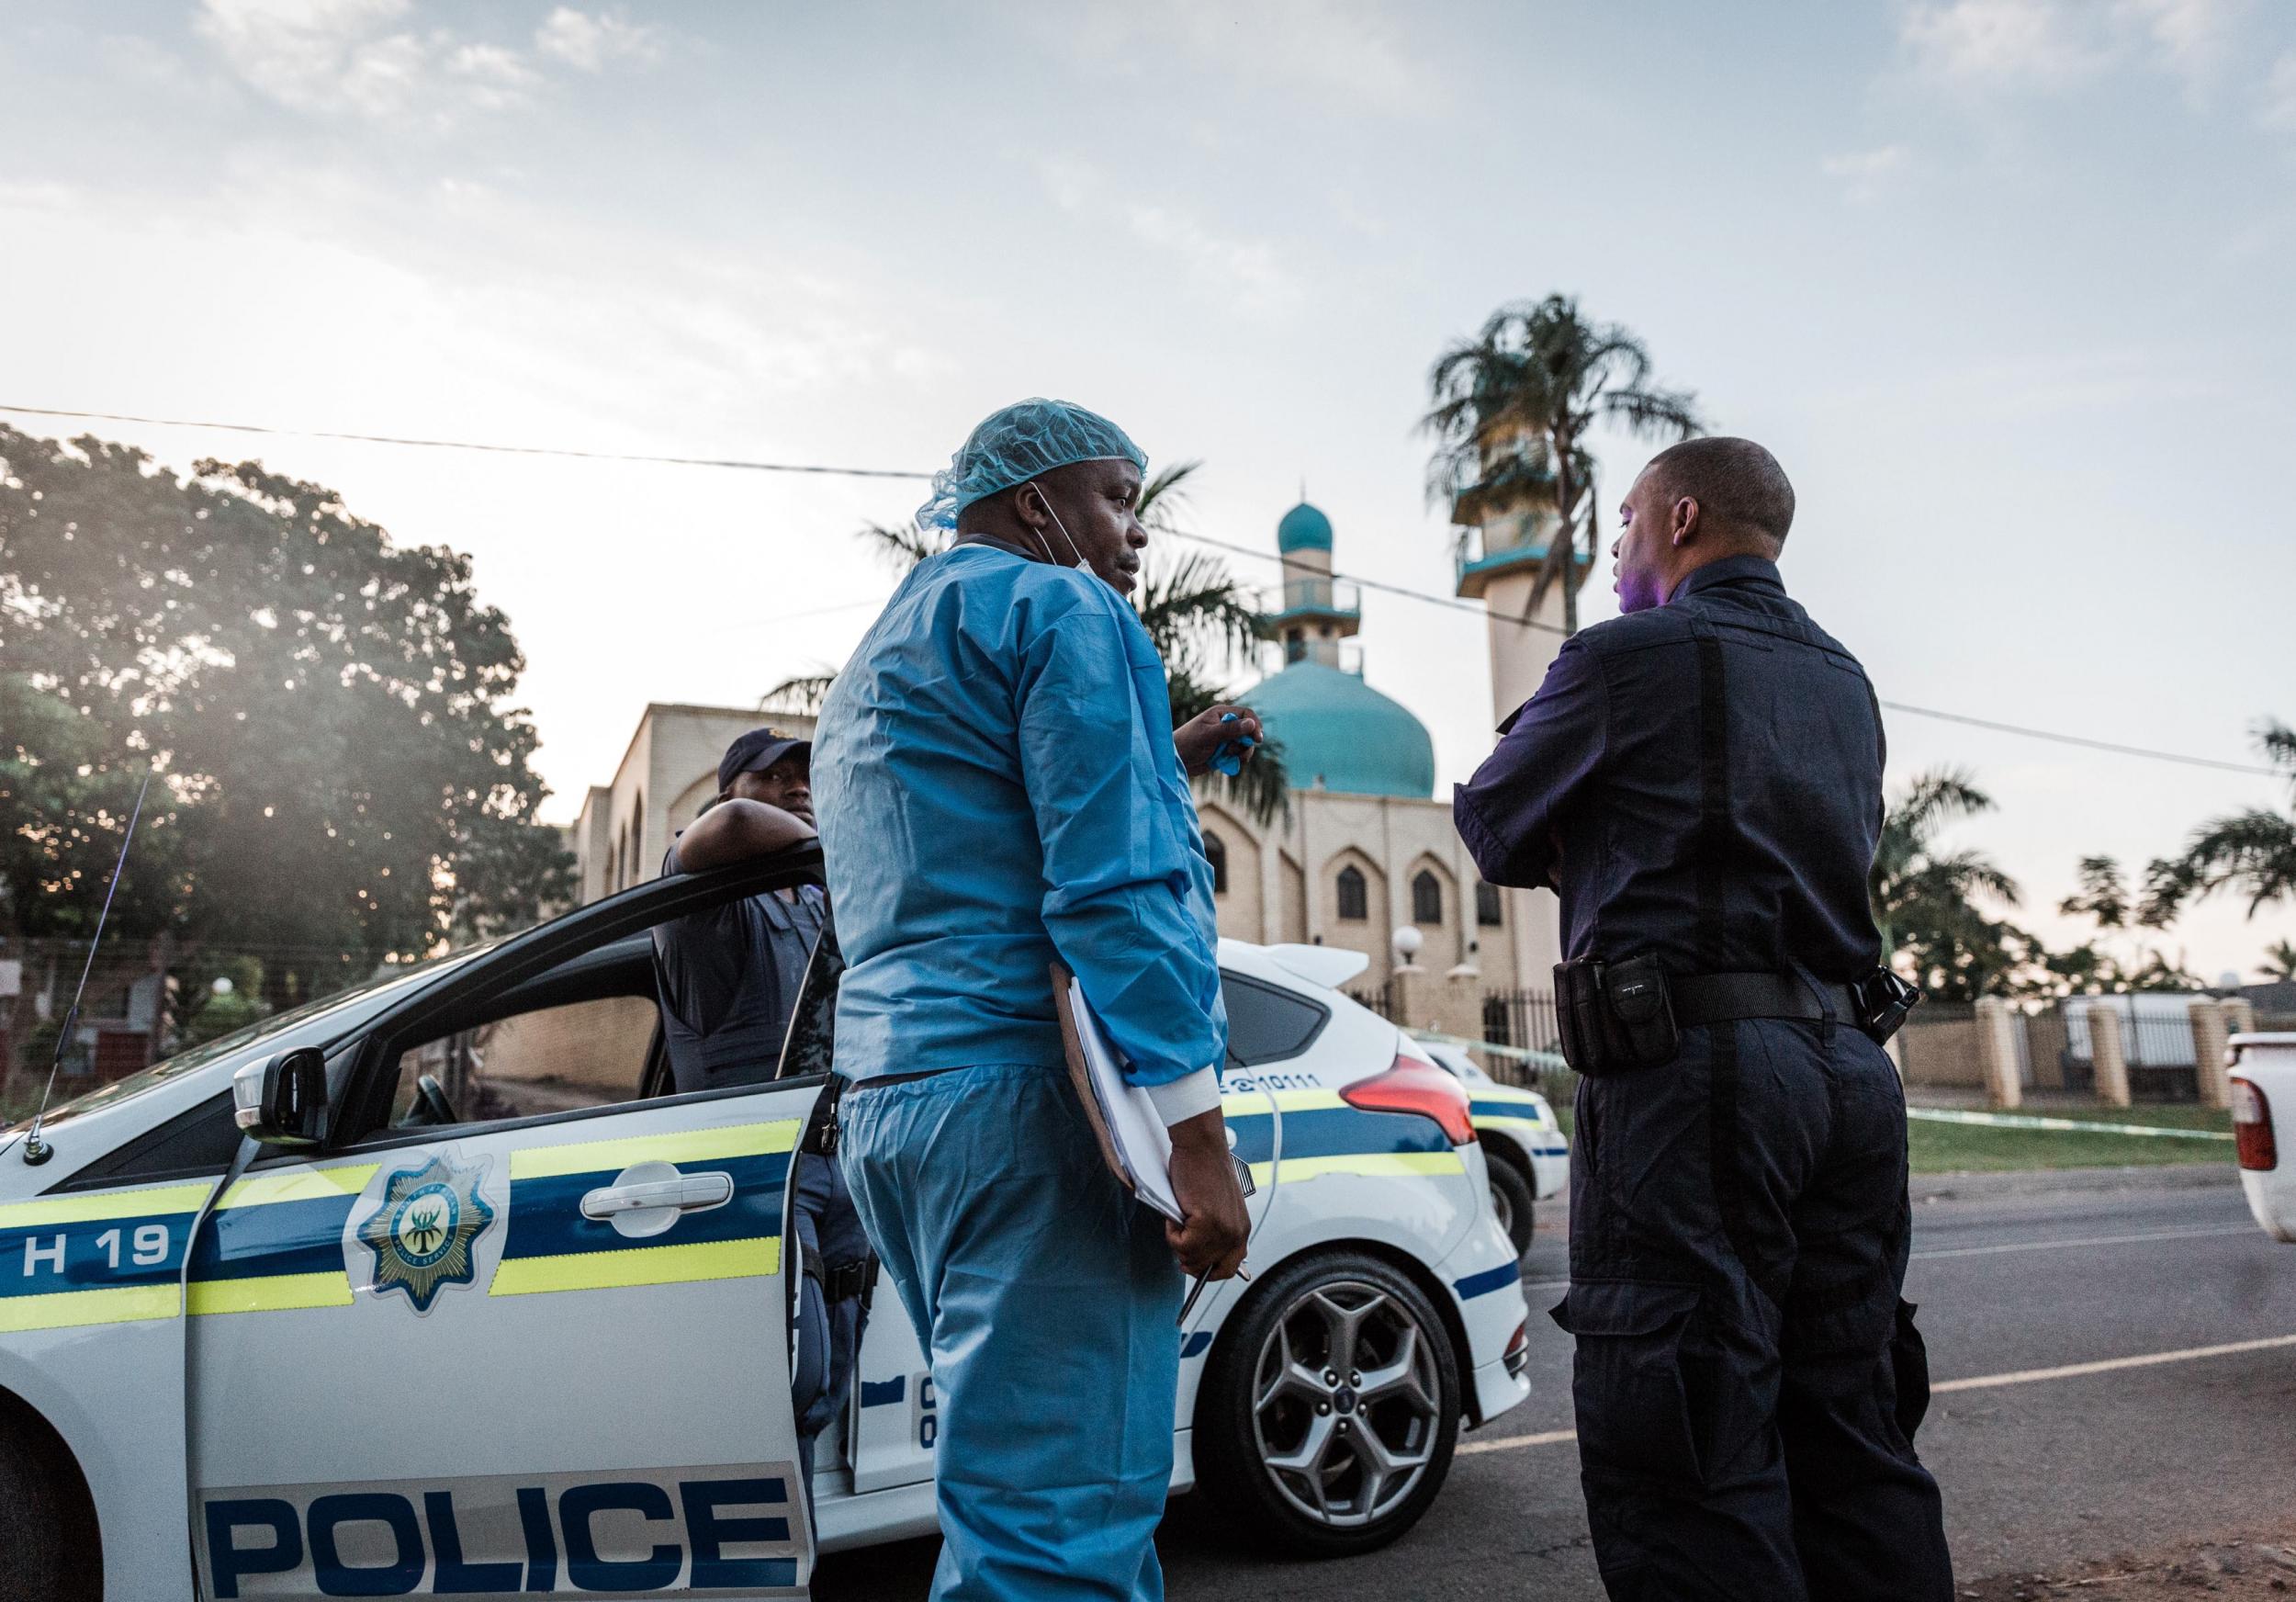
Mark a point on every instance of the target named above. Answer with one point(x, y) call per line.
point(481, 1309)
point(1525, 1150)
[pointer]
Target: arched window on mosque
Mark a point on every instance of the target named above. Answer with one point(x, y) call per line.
point(1216, 853)
point(1353, 903)
point(1426, 898)
point(1487, 906)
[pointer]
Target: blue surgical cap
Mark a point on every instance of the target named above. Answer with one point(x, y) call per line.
point(1024, 441)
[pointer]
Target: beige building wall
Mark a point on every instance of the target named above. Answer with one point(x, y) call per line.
point(1291, 895)
point(1282, 879)
point(668, 771)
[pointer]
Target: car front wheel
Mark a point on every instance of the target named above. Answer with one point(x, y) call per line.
point(1511, 1200)
point(1330, 1407)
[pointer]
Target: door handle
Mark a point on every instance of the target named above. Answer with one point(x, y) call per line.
point(687, 1193)
point(647, 1197)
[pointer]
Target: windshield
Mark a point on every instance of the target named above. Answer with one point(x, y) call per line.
point(223, 1045)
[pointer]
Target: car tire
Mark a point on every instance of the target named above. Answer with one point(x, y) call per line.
point(1512, 1199)
point(1293, 1446)
point(48, 1547)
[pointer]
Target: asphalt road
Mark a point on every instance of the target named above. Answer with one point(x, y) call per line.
point(2013, 1274)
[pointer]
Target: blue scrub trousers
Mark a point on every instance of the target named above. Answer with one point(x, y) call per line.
point(1045, 1300)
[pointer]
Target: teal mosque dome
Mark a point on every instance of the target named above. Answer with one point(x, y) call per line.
point(1303, 528)
point(1340, 733)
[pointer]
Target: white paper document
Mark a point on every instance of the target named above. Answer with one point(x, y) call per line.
point(1143, 1146)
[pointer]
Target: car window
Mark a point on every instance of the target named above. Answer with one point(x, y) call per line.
point(1265, 1023)
point(552, 1059)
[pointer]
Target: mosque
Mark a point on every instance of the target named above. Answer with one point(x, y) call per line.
point(1365, 849)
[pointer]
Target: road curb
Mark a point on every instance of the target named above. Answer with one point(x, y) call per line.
point(2045, 1181)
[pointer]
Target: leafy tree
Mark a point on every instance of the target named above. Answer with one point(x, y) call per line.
point(326, 714)
point(1925, 898)
point(2280, 961)
point(1201, 619)
point(1512, 411)
point(2091, 966)
point(2251, 852)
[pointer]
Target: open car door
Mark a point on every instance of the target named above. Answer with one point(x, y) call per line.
point(512, 1330)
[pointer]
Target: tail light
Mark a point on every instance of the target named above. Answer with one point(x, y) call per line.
point(1414, 1084)
point(2251, 1128)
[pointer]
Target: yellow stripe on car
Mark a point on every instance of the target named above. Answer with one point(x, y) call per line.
point(276, 1293)
point(739, 1140)
point(112, 1304)
point(1363, 1164)
point(653, 1265)
point(99, 1205)
point(301, 1185)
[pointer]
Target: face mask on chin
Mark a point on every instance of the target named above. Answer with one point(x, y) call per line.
point(1081, 565)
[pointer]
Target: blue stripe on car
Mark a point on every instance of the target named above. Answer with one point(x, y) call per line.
point(1489, 1279)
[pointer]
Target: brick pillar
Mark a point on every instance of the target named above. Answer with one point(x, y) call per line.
point(2108, 1056)
point(1997, 1050)
point(2208, 1053)
point(2240, 1015)
point(1413, 989)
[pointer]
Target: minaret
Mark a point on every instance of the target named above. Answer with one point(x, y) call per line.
point(1314, 613)
point(1499, 558)
point(1499, 555)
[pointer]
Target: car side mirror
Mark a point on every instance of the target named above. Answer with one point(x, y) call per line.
point(282, 1100)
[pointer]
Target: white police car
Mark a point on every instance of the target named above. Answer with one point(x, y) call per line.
point(1525, 1150)
point(480, 1313)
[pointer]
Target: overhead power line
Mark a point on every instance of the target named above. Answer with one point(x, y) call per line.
point(738, 463)
point(2083, 740)
point(745, 464)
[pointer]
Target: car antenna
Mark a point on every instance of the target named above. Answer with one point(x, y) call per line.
point(36, 1150)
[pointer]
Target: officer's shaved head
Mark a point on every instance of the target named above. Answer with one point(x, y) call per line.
point(1696, 503)
point(1734, 480)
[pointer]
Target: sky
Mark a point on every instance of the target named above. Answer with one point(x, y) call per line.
point(2005, 284)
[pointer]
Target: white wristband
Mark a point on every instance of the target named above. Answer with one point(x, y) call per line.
point(1186, 1097)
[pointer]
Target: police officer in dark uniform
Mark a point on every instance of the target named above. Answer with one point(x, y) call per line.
point(1700, 781)
point(729, 979)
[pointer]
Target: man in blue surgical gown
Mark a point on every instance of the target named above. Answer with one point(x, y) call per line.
point(999, 787)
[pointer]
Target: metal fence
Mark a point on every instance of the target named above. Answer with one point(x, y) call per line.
point(1522, 1018)
point(1379, 997)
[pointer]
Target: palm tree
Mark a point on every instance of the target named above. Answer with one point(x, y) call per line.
point(2251, 852)
point(1924, 899)
point(1201, 620)
point(2280, 961)
point(1512, 411)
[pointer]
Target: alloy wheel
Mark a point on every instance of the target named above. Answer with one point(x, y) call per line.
point(1343, 1401)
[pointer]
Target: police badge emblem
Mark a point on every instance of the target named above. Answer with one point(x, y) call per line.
point(423, 1232)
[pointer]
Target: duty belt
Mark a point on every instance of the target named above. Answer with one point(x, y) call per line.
point(1727, 997)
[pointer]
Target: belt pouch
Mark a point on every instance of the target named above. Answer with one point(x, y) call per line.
point(1640, 1012)
point(1582, 1015)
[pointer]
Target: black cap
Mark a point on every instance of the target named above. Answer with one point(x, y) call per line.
point(756, 751)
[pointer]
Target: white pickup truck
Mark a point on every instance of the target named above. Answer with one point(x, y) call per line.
point(2263, 1126)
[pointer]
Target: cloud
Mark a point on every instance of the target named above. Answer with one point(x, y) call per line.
point(2000, 41)
point(1865, 174)
point(497, 77)
point(316, 55)
point(2279, 95)
point(2054, 44)
point(1353, 51)
point(362, 57)
point(1245, 272)
point(1245, 269)
point(586, 43)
